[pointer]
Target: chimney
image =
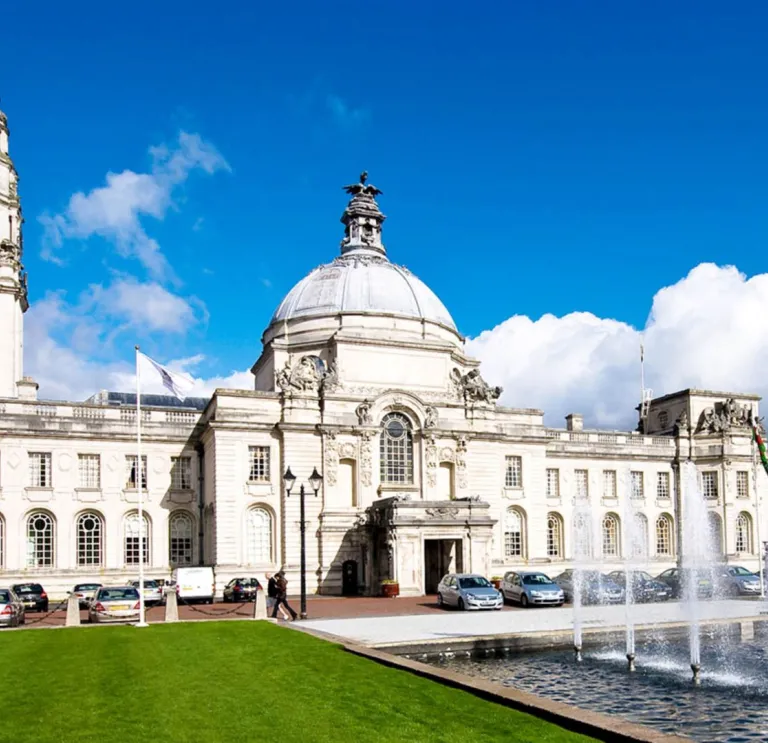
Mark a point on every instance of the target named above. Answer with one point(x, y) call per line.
point(27, 389)
point(574, 422)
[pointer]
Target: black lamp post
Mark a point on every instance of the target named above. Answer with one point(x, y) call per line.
point(315, 480)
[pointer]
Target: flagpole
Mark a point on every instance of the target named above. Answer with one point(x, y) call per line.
point(757, 507)
point(139, 484)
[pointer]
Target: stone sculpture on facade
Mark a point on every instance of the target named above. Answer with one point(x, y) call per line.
point(430, 417)
point(724, 416)
point(330, 378)
point(363, 413)
point(473, 388)
point(304, 376)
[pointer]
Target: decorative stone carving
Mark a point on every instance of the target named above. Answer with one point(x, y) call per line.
point(431, 458)
point(430, 417)
point(447, 454)
point(330, 378)
point(442, 512)
point(363, 413)
point(10, 254)
point(366, 458)
point(331, 446)
point(304, 376)
point(461, 462)
point(724, 416)
point(348, 451)
point(681, 424)
point(472, 388)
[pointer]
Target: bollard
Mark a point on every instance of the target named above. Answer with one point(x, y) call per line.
point(260, 606)
point(73, 611)
point(171, 606)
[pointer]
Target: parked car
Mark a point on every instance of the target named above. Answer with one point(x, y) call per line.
point(33, 595)
point(12, 612)
point(195, 584)
point(153, 591)
point(644, 586)
point(734, 580)
point(85, 593)
point(530, 587)
point(114, 604)
point(241, 589)
point(596, 588)
point(675, 578)
point(468, 591)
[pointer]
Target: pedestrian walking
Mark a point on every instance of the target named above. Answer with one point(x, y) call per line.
point(272, 596)
point(281, 588)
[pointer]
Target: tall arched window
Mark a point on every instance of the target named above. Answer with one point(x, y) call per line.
point(664, 532)
point(514, 533)
point(258, 537)
point(744, 533)
point(396, 449)
point(555, 536)
point(611, 535)
point(90, 535)
point(132, 539)
point(180, 528)
point(41, 540)
point(637, 539)
point(582, 535)
point(715, 533)
point(2, 541)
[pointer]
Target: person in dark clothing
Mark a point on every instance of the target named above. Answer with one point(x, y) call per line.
point(281, 586)
point(271, 587)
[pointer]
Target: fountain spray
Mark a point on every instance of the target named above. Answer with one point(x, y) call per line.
point(631, 543)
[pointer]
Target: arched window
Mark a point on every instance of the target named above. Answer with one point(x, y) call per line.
point(514, 533)
point(555, 535)
point(396, 449)
point(664, 534)
point(582, 535)
point(90, 535)
point(258, 537)
point(744, 533)
point(611, 535)
point(132, 539)
point(637, 539)
point(715, 533)
point(41, 540)
point(180, 527)
point(2, 541)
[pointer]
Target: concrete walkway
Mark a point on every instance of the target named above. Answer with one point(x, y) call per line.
point(449, 624)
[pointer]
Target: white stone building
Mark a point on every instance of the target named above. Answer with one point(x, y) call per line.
point(363, 374)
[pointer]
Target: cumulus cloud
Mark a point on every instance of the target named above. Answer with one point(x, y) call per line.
point(115, 211)
point(705, 331)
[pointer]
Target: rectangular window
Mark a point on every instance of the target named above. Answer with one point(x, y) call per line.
point(40, 469)
point(742, 484)
point(637, 486)
point(582, 483)
point(514, 476)
point(89, 467)
point(553, 483)
point(609, 483)
point(131, 477)
point(709, 484)
point(259, 464)
point(181, 473)
point(662, 484)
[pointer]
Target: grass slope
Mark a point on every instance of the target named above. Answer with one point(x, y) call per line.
point(230, 681)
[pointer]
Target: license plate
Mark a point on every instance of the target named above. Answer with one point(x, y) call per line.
point(148, 592)
point(186, 588)
point(29, 603)
point(119, 607)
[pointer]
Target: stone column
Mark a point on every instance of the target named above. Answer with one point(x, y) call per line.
point(73, 611)
point(171, 606)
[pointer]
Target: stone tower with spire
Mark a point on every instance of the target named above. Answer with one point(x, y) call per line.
point(13, 282)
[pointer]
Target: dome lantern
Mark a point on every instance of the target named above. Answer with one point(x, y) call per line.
point(362, 220)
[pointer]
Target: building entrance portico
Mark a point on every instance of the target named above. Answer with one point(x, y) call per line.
point(441, 556)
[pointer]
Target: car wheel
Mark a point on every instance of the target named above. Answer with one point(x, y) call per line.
point(440, 600)
point(460, 605)
point(735, 592)
point(524, 601)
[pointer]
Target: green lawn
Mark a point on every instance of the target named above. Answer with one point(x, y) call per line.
point(229, 681)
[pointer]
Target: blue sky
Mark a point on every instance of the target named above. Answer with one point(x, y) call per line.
point(535, 157)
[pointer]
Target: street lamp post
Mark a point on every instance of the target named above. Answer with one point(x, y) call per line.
point(315, 480)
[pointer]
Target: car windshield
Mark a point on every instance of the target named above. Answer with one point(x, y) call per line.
point(474, 581)
point(29, 588)
point(87, 586)
point(538, 579)
point(740, 571)
point(248, 582)
point(117, 594)
point(642, 575)
point(149, 583)
point(5, 597)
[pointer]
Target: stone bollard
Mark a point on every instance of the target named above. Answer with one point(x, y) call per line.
point(171, 606)
point(260, 606)
point(73, 611)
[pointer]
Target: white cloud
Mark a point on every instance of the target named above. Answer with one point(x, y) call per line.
point(115, 211)
point(706, 330)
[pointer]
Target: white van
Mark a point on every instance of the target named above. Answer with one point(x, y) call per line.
point(195, 584)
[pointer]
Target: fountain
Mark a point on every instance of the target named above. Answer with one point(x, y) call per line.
point(582, 551)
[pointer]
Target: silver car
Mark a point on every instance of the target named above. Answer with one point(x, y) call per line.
point(468, 591)
point(529, 587)
point(12, 612)
point(734, 580)
point(85, 593)
point(119, 604)
point(153, 591)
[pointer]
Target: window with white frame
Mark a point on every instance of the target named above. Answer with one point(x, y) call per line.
point(136, 538)
point(662, 485)
point(664, 536)
point(181, 473)
point(609, 483)
point(396, 449)
point(259, 464)
point(709, 485)
point(582, 483)
point(40, 469)
point(554, 535)
point(41, 540)
point(744, 533)
point(636, 485)
point(582, 535)
point(742, 484)
point(89, 470)
point(258, 537)
point(513, 533)
point(553, 483)
point(514, 472)
point(131, 476)
point(90, 535)
point(181, 527)
point(611, 535)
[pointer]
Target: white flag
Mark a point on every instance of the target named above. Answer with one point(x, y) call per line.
point(176, 383)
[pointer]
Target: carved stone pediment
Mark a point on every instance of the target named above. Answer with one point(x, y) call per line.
point(442, 512)
point(308, 375)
